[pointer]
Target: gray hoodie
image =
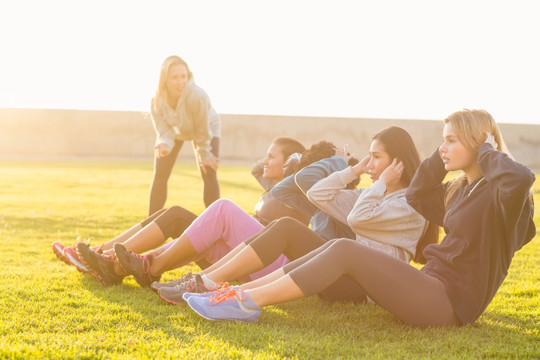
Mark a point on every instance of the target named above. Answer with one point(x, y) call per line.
point(192, 119)
point(383, 222)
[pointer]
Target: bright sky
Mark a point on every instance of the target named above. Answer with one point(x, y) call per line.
point(418, 59)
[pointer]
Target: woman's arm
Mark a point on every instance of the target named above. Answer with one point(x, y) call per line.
point(512, 181)
point(372, 213)
point(165, 134)
point(329, 195)
point(426, 191)
point(510, 176)
point(198, 107)
point(257, 172)
point(311, 174)
point(288, 193)
point(292, 190)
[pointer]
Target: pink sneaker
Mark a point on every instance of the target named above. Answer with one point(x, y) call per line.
point(71, 255)
point(58, 250)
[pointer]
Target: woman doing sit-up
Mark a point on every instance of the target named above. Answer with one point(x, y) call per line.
point(487, 214)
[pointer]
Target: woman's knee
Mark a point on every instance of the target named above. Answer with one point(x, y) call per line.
point(289, 223)
point(222, 208)
point(224, 204)
point(344, 246)
point(176, 211)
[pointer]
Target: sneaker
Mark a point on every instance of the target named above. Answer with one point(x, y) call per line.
point(68, 254)
point(174, 294)
point(221, 288)
point(136, 265)
point(71, 254)
point(156, 285)
point(58, 250)
point(233, 304)
point(99, 266)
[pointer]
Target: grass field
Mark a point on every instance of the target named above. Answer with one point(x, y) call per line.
point(49, 310)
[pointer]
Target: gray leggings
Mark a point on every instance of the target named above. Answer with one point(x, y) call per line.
point(411, 295)
point(293, 239)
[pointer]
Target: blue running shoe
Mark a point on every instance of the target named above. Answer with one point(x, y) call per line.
point(221, 288)
point(233, 304)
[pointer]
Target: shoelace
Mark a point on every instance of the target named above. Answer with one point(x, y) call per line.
point(220, 288)
point(186, 277)
point(231, 294)
point(98, 249)
point(186, 285)
point(144, 260)
point(176, 282)
point(108, 256)
point(180, 280)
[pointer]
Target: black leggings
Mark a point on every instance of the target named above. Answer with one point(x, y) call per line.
point(173, 222)
point(408, 293)
point(293, 239)
point(163, 169)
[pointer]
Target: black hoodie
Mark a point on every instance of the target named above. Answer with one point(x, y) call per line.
point(485, 223)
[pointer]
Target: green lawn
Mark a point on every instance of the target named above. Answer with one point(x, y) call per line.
point(49, 310)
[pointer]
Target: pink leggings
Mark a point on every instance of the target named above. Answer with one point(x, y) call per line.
point(220, 228)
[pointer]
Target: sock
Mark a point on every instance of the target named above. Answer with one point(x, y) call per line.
point(248, 303)
point(208, 282)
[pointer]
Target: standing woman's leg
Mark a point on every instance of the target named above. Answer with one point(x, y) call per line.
point(210, 181)
point(162, 171)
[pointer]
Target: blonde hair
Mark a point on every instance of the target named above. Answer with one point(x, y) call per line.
point(161, 92)
point(470, 127)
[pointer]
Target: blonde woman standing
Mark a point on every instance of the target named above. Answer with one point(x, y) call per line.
point(181, 111)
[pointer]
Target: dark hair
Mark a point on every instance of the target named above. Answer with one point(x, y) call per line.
point(318, 151)
point(288, 146)
point(398, 143)
point(353, 184)
point(322, 150)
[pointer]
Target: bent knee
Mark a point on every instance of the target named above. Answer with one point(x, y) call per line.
point(346, 245)
point(177, 211)
point(289, 222)
point(225, 206)
point(224, 203)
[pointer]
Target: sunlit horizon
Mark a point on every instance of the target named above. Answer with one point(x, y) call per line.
point(353, 59)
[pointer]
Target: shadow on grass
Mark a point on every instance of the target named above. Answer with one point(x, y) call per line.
point(306, 327)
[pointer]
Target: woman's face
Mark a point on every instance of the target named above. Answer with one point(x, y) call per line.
point(454, 154)
point(273, 163)
point(177, 79)
point(379, 159)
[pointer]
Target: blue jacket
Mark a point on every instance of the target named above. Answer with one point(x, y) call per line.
point(292, 192)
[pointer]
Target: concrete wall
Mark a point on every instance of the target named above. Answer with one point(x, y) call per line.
point(40, 133)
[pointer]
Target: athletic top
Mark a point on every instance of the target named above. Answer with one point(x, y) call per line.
point(485, 223)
